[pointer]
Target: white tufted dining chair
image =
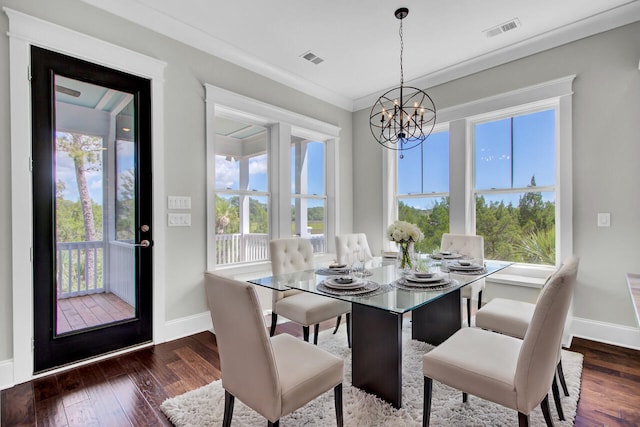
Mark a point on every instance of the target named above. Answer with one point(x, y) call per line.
point(512, 317)
point(296, 254)
point(473, 247)
point(273, 376)
point(349, 243)
point(506, 370)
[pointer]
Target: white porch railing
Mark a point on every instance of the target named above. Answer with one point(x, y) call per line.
point(80, 268)
point(235, 248)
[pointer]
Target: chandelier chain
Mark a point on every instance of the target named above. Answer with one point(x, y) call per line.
point(401, 51)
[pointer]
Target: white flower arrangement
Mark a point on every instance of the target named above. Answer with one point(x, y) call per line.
point(404, 232)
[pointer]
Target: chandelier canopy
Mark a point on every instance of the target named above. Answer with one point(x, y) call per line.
point(403, 117)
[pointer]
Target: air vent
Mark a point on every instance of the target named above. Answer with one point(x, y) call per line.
point(312, 57)
point(503, 28)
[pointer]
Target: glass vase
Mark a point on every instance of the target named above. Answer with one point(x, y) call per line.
point(405, 257)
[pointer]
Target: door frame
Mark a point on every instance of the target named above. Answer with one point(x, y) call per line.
point(25, 31)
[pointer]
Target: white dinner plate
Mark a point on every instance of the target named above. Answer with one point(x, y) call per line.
point(332, 283)
point(435, 278)
point(440, 282)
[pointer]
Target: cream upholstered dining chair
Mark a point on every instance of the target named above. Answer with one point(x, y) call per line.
point(512, 317)
point(349, 243)
point(273, 376)
point(296, 254)
point(506, 370)
point(473, 247)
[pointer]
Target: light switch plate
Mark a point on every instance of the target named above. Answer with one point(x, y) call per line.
point(604, 219)
point(179, 220)
point(179, 202)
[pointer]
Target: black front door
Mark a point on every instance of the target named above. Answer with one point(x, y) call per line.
point(92, 231)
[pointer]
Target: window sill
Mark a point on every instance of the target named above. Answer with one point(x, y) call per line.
point(526, 275)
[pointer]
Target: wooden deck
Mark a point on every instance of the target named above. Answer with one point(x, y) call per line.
point(91, 310)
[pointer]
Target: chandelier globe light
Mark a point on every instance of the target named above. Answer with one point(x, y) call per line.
point(403, 117)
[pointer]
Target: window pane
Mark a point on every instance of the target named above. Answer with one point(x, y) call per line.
point(307, 167)
point(308, 221)
point(425, 169)
point(258, 173)
point(493, 154)
point(517, 227)
point(227, 173)
point(534, 149)
point(430, 214)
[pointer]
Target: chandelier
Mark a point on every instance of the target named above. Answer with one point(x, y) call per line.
point(403, 117)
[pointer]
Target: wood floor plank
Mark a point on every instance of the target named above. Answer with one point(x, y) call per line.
point(133, 403)
point(51, 413)
point(18, 406)
point(102, 396)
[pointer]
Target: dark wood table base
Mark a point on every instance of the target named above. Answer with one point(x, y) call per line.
point(377, 342)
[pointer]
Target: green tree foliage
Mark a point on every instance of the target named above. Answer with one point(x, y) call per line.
point(522, 233)
point(125, 206)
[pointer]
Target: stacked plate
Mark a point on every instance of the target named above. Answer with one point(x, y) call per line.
point(446, 255)
point(344, 283)
point(425, 280)
point(465, 267)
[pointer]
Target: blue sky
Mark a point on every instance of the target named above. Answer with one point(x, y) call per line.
point(533, 155)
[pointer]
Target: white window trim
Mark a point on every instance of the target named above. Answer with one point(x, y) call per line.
point(26, 31)
point(282, 124)
point(556, 92)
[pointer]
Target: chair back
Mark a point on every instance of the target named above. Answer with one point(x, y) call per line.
point(288, 256)
point(247, 361)
point(465, 244)
point(542, 342)
point(347, 243)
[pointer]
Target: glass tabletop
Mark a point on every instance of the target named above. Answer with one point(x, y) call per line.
point(385, 292)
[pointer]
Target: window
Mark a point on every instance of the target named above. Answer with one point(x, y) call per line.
point(270, 175)
point(423, 189)
point(508, 177)
point(514, 176)
point(242, 197)
point(308, 191)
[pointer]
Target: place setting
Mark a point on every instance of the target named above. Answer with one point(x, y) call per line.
point(334, 269)
point(416, 280)
point(460, 266)
point(442, 255)
point(347, 285)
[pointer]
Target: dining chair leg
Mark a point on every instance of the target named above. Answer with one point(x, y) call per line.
point(305, 333)
point(523, 420)
point(228, 408)
point(563, 382)
point(276, 423)
point(545, 411)
point(316, 330)
point(469, 312)
point(480, 299)
point(274, 321)
point(349, 329)
point(465, 397)
point(426, 409)
point(338, 319)
point(337, 399)
point(556, 398)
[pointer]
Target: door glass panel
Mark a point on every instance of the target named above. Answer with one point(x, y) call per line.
point(95, 175)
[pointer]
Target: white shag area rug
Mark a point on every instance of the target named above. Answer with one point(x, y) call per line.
point(205, 406)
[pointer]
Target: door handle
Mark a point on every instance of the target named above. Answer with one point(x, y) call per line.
point(143, 244)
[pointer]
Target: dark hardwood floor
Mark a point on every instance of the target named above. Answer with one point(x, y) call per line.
point(128, 390)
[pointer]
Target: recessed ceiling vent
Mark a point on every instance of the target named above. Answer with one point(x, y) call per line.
point(312, 57)
point(503, 28)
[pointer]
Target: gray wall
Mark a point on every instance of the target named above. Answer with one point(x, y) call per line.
point(184, 136)
point(606, 155)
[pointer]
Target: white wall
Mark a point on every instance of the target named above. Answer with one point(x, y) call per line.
point(184, 136)
point(606, 152)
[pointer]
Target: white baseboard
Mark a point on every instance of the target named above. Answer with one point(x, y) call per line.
point(186, 326)
point(609, 333)
point(6, 374)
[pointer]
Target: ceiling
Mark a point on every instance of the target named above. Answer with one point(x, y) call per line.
point(358, 40)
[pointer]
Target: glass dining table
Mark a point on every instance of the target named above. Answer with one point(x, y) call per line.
point(377, 311)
